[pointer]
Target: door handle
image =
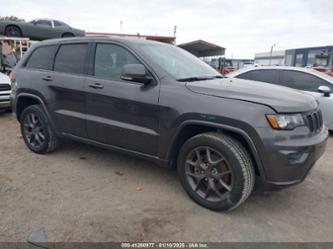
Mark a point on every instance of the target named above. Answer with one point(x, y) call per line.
point(47, 78)
point(96, 86)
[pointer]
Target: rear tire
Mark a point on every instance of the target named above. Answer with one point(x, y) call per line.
point(219, 165)
point(36, 130)
point(13, 31)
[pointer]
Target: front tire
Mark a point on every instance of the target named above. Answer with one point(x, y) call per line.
point(216, 171)
point(36, 130)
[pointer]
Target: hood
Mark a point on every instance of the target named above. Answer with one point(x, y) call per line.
point(279, 98)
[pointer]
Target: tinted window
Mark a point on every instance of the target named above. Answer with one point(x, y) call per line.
point(42, 58)
point(71, 58)
point(110, 59)
point(301, 81)
point(43, 23)
point(269, 76)
point(245, 76)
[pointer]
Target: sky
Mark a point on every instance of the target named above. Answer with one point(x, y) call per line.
point(243, 27)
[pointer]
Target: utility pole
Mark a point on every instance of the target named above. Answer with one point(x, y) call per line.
point(270, 57)
point(174, 33)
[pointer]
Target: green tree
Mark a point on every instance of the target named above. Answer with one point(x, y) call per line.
point(11, 18)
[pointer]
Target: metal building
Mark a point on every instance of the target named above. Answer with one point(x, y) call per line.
point(314, 56)
point(268, 58)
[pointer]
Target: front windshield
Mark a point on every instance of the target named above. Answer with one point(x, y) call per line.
point(176, 61)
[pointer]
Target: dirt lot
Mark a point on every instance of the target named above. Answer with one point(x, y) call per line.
point(83, 193)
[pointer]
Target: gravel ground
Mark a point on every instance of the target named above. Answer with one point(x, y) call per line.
point(83, 193)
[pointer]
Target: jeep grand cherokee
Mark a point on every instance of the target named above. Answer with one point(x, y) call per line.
point(159, 102)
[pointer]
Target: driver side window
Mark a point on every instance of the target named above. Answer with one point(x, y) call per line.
point(110, 59)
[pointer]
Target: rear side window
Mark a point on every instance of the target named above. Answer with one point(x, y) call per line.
point(42, 58)
point(71, 58)
point(268, 76)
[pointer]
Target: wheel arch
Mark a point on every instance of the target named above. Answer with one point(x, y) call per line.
point(68, 33)
point(26, 99)
point(192, 128)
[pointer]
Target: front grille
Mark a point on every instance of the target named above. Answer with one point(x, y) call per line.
point(314, 121)
point(4, 87)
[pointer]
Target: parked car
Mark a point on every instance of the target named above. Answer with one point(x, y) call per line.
point(38, 29)
point(159, 102)
point(311, 81)
point(4, 92)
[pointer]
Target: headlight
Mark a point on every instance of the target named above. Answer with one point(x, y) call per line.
point(285, 121)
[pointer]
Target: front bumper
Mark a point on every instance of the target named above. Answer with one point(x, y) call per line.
point(289, 156)
point(5, 100)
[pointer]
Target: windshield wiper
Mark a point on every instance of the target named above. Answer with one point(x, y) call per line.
point(200, 78)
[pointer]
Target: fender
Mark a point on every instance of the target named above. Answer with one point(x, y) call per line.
point(20, 95)
point(222, 127)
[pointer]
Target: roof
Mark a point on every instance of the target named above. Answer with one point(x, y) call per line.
point(83, 39)
point(312, 48)
point(202, 48)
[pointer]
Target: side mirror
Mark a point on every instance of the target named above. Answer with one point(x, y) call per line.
point(135, 73)
point(325, 90)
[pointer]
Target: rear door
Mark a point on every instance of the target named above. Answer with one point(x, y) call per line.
point(67, 88)
point(120, 113)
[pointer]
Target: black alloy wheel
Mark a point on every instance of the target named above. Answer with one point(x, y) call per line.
point(36, 130)
point(208, 173)
point(33, 131)
point(216, 171)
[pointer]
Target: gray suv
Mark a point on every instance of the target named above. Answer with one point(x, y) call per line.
point(156, 101)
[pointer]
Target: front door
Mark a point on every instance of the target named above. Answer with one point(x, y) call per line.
point(120, 113)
